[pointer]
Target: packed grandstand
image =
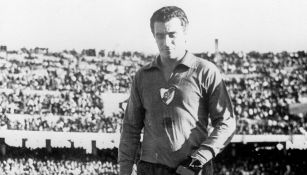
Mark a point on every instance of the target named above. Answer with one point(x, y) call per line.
point(66, 92)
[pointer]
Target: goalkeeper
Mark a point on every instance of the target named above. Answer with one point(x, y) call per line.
point(172, 100)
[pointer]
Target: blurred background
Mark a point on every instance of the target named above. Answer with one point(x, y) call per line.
point(66, 68)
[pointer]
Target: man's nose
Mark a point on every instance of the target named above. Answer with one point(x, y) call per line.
point(168, 41)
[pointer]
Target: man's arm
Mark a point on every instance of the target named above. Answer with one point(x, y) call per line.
point(132, 126)
point(222, 117)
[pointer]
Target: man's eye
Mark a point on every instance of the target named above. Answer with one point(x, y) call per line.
point(172, 35)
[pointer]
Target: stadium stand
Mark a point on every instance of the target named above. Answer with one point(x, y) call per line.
point(68, 92)
point(238, 159)
point(268, 90)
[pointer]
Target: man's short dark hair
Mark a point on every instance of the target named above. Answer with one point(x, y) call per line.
point(165, 14)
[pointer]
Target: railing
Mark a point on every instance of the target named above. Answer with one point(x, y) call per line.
point(39, 139)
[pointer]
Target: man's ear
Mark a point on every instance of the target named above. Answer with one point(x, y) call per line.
point(185, 30)
point(185, 36)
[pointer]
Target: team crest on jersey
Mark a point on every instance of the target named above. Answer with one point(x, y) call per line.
point(167, 95)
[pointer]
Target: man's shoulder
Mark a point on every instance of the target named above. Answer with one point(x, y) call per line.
point(210, 72)
point(143, 69)
point(204, 64)
point(146, 67)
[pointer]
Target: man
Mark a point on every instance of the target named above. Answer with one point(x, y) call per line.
point(172, 99)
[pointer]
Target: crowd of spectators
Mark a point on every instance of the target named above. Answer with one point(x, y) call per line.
point(63, 103)
point(236, 159)
point(262, 100)
point(75, 123)
point(62, 72)
point(63, 167)
point(67, 87)
point(62, 161)
point(250, 159)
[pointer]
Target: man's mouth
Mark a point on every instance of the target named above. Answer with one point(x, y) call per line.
point(167, 50)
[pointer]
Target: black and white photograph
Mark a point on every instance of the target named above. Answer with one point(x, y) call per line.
point(153, 87)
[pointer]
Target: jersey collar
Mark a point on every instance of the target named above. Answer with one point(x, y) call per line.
point(188, 60)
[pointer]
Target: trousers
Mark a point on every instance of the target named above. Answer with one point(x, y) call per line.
point(147, 168)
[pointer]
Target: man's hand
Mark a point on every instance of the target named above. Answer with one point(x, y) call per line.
point(195, 163)
point(190, 166)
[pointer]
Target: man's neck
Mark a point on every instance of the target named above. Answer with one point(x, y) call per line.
point(171, 63)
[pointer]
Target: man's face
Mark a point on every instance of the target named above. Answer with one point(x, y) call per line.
point(171, 39)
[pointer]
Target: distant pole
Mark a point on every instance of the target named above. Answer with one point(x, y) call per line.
point(48, 145)
point(24, 140)
point(2, 146)
point(217, 56)
point(94, 148)
point(285, 148)
point(72, 143)
point(216, 41)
